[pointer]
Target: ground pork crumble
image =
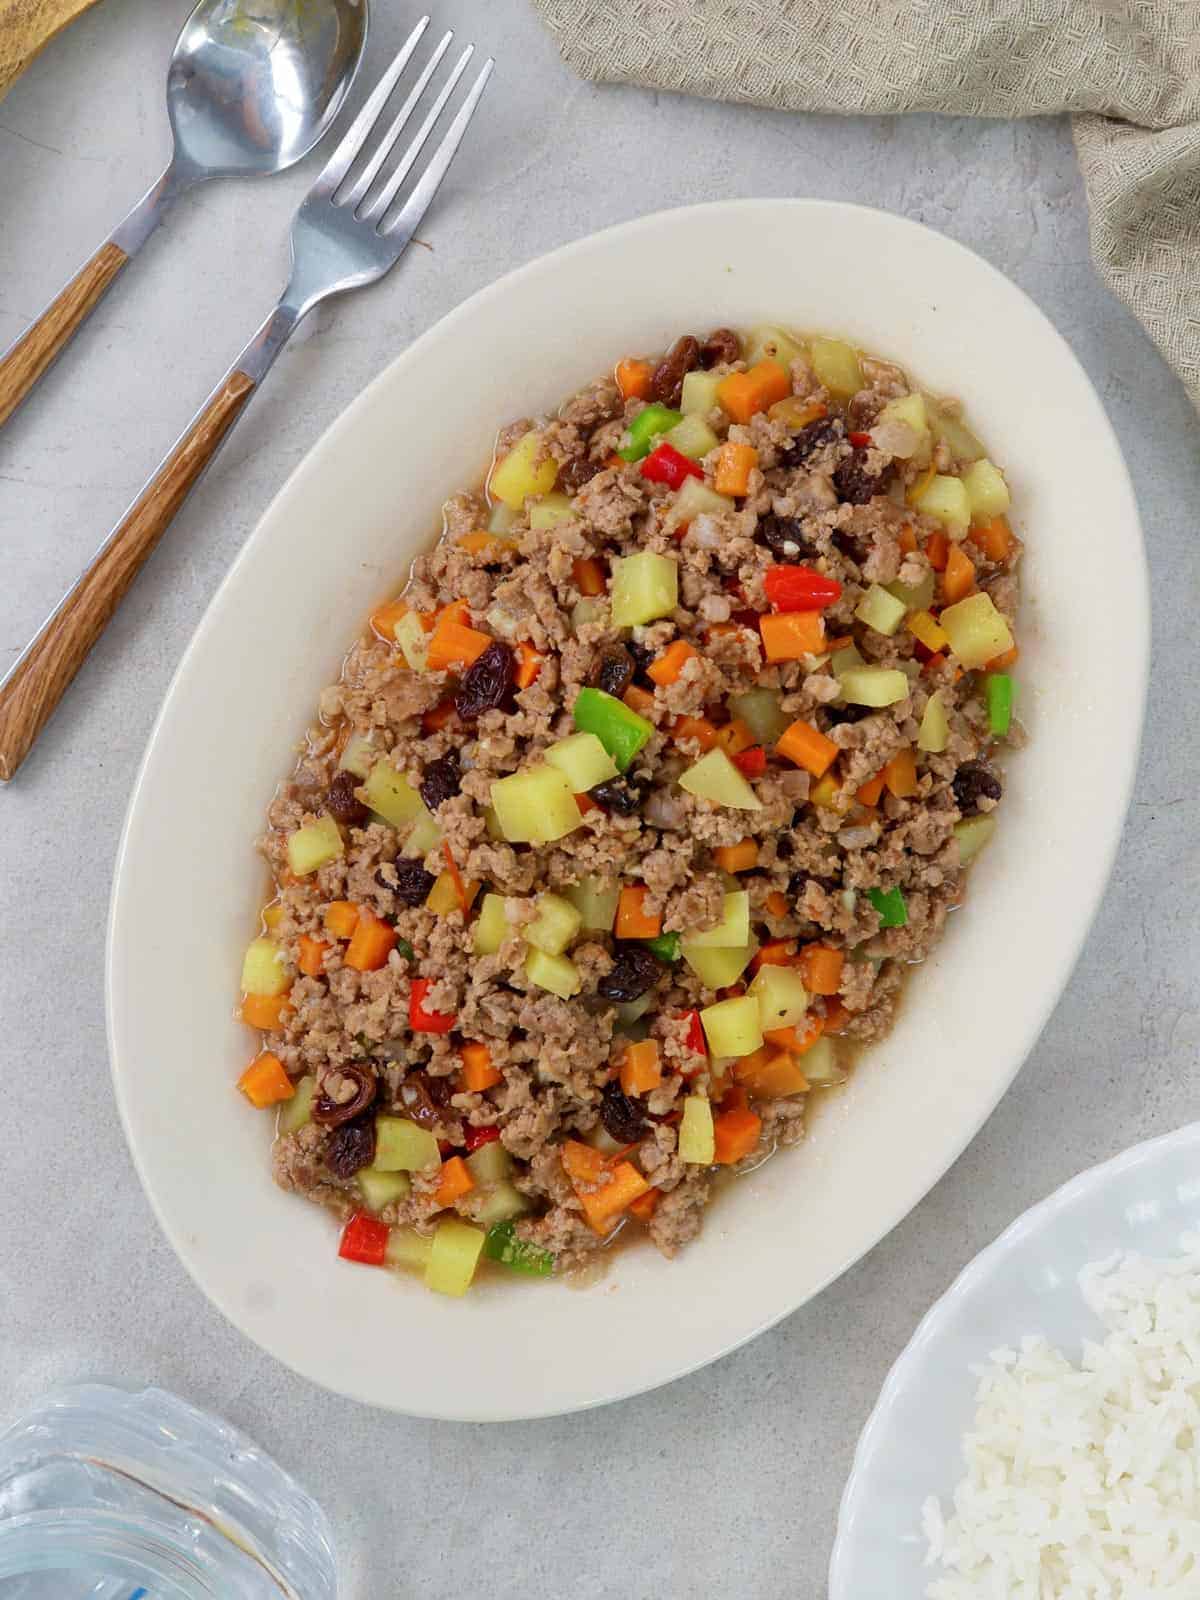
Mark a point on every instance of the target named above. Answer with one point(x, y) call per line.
point(554, 1111)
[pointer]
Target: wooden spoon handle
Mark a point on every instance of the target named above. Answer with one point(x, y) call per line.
point(37, 683)
point(34, 351)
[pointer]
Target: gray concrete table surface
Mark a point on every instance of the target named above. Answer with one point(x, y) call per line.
point(727, 1482)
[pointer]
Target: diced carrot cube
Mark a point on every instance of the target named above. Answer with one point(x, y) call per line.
point(633, 378)
point(743, 394)
point(478, 1073)
point(668, 667)
point(438, 716)
point(452, 644)
point(994, 539)
point(775, 953)
point(371, 943)
point(738, 857)
point(799, 1038)
point(776, 903)
point(868, 793)
point(385, 617)
point(937, 548)
point(588, 575)
point(266, 1011)
point(641, 1070)
point(265, 1083)
point(807, 746)
point(821, 968)
point(644, 1206)
point(735, 737)
point(900, 775)
point(633, 921)
point(639, 700)
point(529, 664)
point(454, 1182)
point(698, 728)
point(735, 463)
point(790, 635)
point(341, 919)
point(312, 956)
point(959, 577)
point(736, 1136)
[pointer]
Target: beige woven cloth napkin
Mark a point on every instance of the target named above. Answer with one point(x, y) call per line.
point(26, 26)
point(1127, 70)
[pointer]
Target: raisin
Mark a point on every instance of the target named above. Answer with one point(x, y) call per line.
point(838, 715)
point(360, 1078)
point(808, 440)
point(784, 848)
point(575, 473)
point(341, 802)
point(614, 671)
point(854, 484)
point(442, 780)
point(487, 682)
point(623, 1119)
point(666, 385)
point(412, 883)
point(974, 782)
point(784, 537)
point(721, 346)
point(634, 970)
point(351, 1147)
point(642, 656)
point(622, 795)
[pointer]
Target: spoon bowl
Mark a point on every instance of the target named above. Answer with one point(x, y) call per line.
point(254, 84)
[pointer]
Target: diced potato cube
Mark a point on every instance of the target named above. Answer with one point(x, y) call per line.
point(413, 641)
point(880, 610)
point(733, 1027)
point(769, 343)
point(694, 499)
point(596, 902)
point(401, 1146)
point(781, 995)
point(313, 845)
point(492, 926)
point(972, 833)
point(586, 611)
point(391, 796)
point(357, 756)
point(517, 477)
point(692, 437)
point(946, 499)
point(844, 659)
point(264, 969)
point(408, 1248)
point(762, 713)
point(536, 806)
point(423, 836)
point(502, 520)
point(645, 587)
point(491, 1163)
point(987, 492)
point(556, 924)
point(918, 596)
point(697, 1138)
point(714, 777)
point(455, 1254)
point(379, 1189)
point(699, 393)
point(498, 1202)
point(976, 630)
point(820, 1066)
point(732, 930)
point(909, 409)
point(717, 969)
point(550, 510)
point(296, 1113)
point(947, 429)
point(555, 974)
point(836, 366)
point(583, 759)
point(934, 732)
point(873, 686)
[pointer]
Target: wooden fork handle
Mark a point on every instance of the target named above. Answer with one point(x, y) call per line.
point(37, 683)
point(34, 351)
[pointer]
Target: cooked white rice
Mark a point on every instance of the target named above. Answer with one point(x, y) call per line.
point(1083, 1482)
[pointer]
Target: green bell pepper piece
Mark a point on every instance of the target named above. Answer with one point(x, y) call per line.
point(405, 949)
point(665, 947)
point(503, 1245)
point(645, 428)
point(1001, 691)
point(893, 913)
point(621, 731)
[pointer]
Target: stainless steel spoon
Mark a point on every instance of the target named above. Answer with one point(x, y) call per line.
point(253, 85)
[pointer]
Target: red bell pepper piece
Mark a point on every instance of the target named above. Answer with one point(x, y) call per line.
point(800, 589)
point(422, 1020)
point(695, 1034)
point(364, 1239)
point(751, 763)
point(474, 1137)
point(670, 466)
point(859, 440)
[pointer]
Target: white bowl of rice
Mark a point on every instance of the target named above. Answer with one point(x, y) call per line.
point(1039, 1439)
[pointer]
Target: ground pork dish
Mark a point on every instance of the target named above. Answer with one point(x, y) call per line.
point(613, 841)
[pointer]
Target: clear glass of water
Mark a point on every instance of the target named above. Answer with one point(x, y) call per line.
point(111, 1493)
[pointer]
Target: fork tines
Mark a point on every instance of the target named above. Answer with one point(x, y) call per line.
point(374, 191)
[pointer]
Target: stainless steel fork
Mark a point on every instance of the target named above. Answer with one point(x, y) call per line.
point(347, 233)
